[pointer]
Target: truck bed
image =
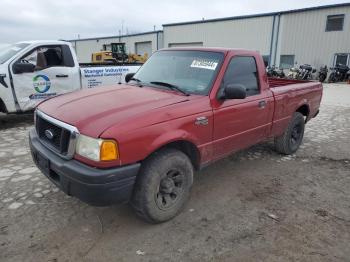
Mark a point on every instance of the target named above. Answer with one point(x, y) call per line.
point(290, 94)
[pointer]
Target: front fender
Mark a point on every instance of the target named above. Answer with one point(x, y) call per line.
point(170, 137)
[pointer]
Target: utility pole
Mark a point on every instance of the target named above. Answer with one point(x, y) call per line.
point(122, 27)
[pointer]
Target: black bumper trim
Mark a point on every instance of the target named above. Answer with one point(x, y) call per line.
point(98, 187)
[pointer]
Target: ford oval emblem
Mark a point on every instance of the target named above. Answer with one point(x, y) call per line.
point(49, 134)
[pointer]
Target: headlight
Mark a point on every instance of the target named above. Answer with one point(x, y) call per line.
point(97, 149)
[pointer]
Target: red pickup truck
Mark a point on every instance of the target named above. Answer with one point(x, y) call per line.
point(185, 108)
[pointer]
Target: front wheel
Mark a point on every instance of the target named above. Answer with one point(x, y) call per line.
point(163, 186)
point(289, 142)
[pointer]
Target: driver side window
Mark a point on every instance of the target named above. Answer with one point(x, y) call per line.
point(242, 70)
point(45, 57)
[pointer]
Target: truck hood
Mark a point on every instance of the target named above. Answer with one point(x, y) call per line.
point(93, 111)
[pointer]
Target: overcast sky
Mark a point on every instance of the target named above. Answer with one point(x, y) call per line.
point(66, 19)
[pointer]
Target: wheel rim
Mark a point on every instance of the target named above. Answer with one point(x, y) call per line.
point(296, 135)
point(170, 189)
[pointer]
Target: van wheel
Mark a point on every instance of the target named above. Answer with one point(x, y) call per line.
point(292, 137)
point(163, 186)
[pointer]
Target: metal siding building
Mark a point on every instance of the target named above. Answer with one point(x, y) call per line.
point(304, 35)
point(297, 35)
point(144, 42)
point(251, 33)
point(281, 37)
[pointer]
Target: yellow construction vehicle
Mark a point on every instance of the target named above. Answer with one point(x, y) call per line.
point(103, 57)
point(117, 55)
point(135, 58)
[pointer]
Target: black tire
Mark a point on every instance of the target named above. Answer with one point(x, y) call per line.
point(331, 78)
point(163, 186)
point(322, 78)
point(289, 142)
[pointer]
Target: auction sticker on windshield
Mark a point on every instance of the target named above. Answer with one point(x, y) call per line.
point(205, 64)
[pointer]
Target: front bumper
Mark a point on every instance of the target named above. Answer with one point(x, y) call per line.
point(98, 187)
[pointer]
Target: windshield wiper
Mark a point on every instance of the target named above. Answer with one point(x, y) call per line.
point(170, 86)
point(138, 81)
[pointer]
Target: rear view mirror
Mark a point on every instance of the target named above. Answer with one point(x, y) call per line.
point(234, 91)
point(19, 68)
point(128, 77)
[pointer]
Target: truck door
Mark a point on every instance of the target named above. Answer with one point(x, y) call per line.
point(54, 73)
point(239, 123)
point(6, 98)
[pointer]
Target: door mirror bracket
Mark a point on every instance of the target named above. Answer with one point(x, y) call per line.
point(128, 77)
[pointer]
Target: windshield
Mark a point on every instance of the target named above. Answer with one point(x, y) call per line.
point(9, 51)
point(191, 71)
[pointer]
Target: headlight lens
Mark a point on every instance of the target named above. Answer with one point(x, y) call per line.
point(97, 149)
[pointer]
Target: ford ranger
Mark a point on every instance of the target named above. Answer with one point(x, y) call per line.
point(184, 109)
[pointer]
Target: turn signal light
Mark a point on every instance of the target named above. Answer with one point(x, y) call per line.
point(109, 150)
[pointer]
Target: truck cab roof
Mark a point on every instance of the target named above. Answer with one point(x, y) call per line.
point(44, 42)
point(211, 49)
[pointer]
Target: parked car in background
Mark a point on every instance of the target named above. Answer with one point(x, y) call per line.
point(36, 70)
point(183, 110)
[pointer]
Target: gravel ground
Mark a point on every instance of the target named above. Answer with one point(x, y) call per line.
point(253, 206)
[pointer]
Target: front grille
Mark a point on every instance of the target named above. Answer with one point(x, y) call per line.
point(60, 138)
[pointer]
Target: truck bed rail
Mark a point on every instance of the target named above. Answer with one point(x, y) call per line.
point(275, 82)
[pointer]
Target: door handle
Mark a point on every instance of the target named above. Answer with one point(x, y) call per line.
point(61, 75)
point(262, 104)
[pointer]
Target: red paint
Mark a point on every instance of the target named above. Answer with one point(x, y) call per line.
point(143, 120)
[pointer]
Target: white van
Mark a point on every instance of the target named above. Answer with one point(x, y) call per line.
point(36, 70)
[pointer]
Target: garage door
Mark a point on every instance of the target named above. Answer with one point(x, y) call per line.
point(143, 47)
point(185, 44)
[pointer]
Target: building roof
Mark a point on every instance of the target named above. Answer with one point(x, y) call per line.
point(116, 36)
point(258, 15)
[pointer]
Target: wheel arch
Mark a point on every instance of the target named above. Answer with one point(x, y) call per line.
point(304, 109)
point(185, 146)
point(3, 106)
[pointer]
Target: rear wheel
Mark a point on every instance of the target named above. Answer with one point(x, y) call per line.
point(289, 142)
point(163, 186)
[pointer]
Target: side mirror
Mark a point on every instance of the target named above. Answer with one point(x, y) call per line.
point(234, 91)
point(19, 68)
point(128, 77)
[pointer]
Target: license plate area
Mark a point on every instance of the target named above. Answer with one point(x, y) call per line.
point(43, 163)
